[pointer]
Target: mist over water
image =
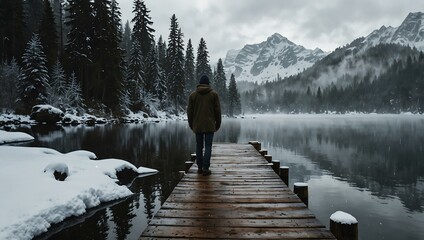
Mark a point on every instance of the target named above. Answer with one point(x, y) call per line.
point(371, 166)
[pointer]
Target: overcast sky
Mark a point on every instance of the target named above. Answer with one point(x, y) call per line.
point(230, 24)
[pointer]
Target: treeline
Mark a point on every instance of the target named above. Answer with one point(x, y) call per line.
point(77, 56)
point(386, 78)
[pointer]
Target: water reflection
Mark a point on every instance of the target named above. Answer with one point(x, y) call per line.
point(383, 154)
point(370, 166)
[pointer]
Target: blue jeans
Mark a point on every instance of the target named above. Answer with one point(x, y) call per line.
point(203, 160)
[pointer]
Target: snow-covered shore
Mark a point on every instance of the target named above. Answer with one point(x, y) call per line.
point(69, 119)
point(32, 199)
point(11, 137)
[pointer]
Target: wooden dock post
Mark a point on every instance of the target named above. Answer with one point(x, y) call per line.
point(181, 174)
point(284, 174)
point(301, 189)
point(344, 226)
point(276, 165)
point(188, 165)
point(268, 158)
point(263, 152)
point(256, 145)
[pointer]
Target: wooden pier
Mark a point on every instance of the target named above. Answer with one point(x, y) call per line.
point(242, 199)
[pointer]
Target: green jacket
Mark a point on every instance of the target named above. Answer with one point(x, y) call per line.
point(204, 110)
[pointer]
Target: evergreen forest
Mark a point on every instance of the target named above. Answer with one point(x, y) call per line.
point(80, 57)
point(386, 78)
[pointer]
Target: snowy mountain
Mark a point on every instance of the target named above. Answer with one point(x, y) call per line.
point(409, 33)
point(263, 61)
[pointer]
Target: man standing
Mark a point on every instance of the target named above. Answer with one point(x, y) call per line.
point(204, 118)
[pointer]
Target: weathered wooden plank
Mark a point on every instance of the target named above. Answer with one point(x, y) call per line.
point(231, 206)
point(234, 191)
point(196, 197)
point(236, 199)
point(234, 233)
point(224, 178)
point(251, 223)
point(236, 213)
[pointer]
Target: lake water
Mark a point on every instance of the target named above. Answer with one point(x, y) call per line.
point(371, 166)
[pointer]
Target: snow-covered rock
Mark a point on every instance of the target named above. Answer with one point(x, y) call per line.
point(59, 170)
point(46, 114)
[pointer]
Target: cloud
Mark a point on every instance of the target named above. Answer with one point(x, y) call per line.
point(226, 25)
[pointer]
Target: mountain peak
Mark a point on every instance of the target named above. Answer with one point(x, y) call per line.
point(277, 38)
point(413, 16)
point(409, 33)
point(263, 61)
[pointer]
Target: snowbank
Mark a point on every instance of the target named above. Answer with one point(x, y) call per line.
point(32, 199)
point(9, 137)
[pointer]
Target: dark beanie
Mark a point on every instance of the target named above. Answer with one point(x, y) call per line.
point(204, 80)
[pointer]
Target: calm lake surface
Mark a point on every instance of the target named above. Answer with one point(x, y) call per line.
point(371, 166)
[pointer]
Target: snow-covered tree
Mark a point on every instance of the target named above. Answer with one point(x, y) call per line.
point(202, 61)
point(74, 98)
point(9, 74)
point(58, 87)
point(142, 30)
point(135, 78)
point(34, 78)
point(161, 89)
point(175, 56)
point(151, 71)
point(124, 101)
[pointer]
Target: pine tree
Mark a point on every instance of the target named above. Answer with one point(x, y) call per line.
point(202, 61)
point(162, 58)
point(48, 34)
point(126, 42)
point(74, 97)
point(175, 54)
point(152, 72)
point(142, 30)
point(12, 29)
point(115, 13)
point(220, 84)
point(161, 85)
point(78, 50)
point(189, 69)
point(58, 87)
point(155, 73)
point(34, 78)
point(234, 105)
point(135, 79)
point(9, 73)
point(107, 57)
